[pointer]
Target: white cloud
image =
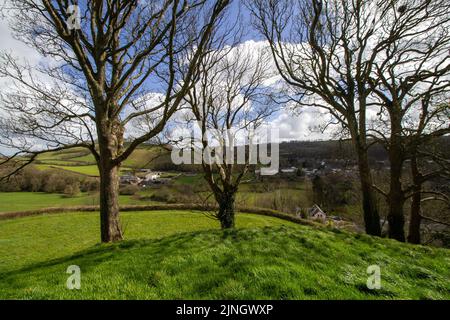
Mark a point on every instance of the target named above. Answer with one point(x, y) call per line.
point(300, 127)
point(19, 49)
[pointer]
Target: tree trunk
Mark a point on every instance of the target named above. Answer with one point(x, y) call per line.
point(226, 211)
point(109, 204)
point(396, 198)
point(110, 142)
point(415, 220)
point(371, 215)
point(415, 214)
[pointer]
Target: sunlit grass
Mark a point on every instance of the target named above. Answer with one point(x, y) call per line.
point(24, 201)
point(183, 255)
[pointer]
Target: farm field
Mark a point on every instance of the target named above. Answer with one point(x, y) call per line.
point(79, 161)
point(25, 201)
point(88, 170)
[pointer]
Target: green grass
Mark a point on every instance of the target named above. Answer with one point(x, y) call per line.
point(63, 154)
point(90, 170)
point(72, 158)
point(140, 158)
point(183, 255)
point(189, 179)
point(88, 159)
point(21, 201)
point(24, 201)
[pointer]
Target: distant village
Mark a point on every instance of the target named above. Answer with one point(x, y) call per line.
point(145, 178)
point(308, 169)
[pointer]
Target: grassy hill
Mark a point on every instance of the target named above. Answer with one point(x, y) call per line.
point(79, 160)
point(175, 255)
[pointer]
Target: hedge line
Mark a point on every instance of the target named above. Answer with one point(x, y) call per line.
point(196, 207)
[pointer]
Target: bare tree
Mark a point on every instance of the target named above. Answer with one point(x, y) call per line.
point(411, 87)
point(420, 130)
point(421, 156)
point(103, 59)
point(229, 100)
point(318, 49)
point(348, 57)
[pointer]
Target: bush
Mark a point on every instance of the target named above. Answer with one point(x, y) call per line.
point(31, 179)
point(163, 195)
point(129, 190)
point(28, 179)
point(90, 185)
point(334, 190)
point(175, 194)
point(278, 200)
point(72, 190)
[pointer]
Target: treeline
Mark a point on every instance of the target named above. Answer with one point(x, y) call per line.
point(51, 181)
point(291, 151)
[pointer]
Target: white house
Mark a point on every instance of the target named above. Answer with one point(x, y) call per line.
point(152, 176)
point(316, 213)
point(129, 179)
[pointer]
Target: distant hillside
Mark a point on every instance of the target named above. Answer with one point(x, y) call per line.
point(293, 153)
point(82, 161)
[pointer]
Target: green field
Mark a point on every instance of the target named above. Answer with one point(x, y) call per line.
point(81, 161)
point(183, 255)
point(141, 158)
point(24, 201)
point(91, 170)
point(87, 159)
point(190, 179)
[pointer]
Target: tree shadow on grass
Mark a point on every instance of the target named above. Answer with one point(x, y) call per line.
point(244, 263)
point(151, 264)
point(159, 248)
point(132, 261)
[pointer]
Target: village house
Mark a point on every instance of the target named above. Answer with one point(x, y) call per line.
point(313, 213)
point(152, 177)
point(129, 179)
point(316, 213)
point(292, 171)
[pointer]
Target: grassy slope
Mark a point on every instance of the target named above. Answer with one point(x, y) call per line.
point(77, 160)
point(63, 154)
point(89, 170)
point(174, 255)
point(141, 157)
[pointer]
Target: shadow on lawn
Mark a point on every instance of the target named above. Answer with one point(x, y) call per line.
point(159, 248)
